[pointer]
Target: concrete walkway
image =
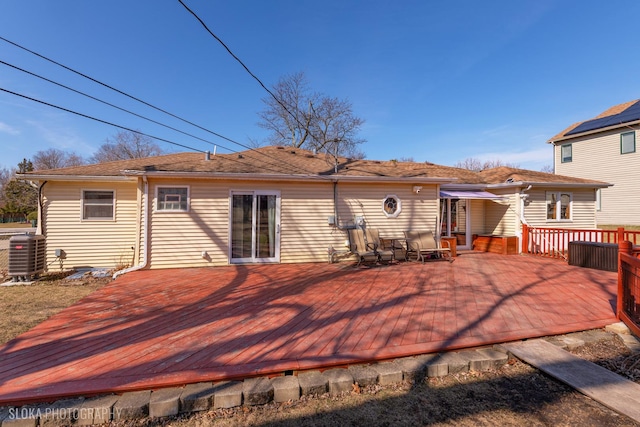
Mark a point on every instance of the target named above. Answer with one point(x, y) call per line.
point(600, 384)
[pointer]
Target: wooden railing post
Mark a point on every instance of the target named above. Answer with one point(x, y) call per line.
point(624, 247)
point(525, 239)
point(620, 234)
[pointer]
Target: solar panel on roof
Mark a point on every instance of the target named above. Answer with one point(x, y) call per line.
point(590, 125)
point(628, 115)
point(631, 113)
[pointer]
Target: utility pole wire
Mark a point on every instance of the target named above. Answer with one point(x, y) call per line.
point(122, 127)
point(98, 120)
point(105, 102)
point(140, 101)
point(122, 93)
point(240, 61)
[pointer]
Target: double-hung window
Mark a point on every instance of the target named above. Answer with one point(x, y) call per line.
point(173, 199)
point(98, 205)
point(566, 153)
point(627, 142)
point(558, 206)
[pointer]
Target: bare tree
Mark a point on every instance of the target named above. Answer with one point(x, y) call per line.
point(54, 158)
point(547, 169)
point(5, 177)
point(126, 145)
point(305, 119)
point(409, 159)
point(477, 165)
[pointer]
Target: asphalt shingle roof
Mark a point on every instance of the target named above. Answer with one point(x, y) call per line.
point(289, 161)
point(505, 174)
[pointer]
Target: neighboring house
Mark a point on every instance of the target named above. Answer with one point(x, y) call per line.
point(604, 148)
point(277, 204)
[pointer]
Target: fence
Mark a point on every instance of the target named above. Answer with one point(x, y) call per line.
point(554, 242)
point(628, 306)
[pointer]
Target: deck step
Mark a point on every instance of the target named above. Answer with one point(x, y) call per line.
point(600, 384)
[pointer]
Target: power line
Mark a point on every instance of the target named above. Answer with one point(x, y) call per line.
point(105, 102)
point(98, 120)
point(119, 126)
point(241, 63)
point(116, 90)
point(149, 105)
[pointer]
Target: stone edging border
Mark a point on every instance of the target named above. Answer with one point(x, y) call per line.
point(167, 402)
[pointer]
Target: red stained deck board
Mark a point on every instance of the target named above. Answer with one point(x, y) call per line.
point(160, 328)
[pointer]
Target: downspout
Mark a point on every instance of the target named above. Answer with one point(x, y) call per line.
point(523, 197)
point(40, 229)
point(523, 220)
point(335, 202)
point(145, 233)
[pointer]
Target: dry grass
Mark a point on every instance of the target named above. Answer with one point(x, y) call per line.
point(25, 306)
point(515, 395)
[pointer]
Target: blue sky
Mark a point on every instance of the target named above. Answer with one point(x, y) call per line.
point(438, 81)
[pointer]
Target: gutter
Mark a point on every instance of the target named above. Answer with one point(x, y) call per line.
point(132, 175)
point(288, 177)
point(145, 234)
point(516, 184)
point(91, 178)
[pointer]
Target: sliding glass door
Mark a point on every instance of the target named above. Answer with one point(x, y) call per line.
point(255, 227)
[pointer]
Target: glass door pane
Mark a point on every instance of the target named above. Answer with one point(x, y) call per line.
point(255, 228)
point(266, 226)
point(241, 226)
point(455, 221)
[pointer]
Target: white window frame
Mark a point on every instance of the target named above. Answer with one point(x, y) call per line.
point(562, 156)
point(96, 190)
point(159, 187)
point(622, 145)
point(398, 206)
point(558, 207)
point(599, 199)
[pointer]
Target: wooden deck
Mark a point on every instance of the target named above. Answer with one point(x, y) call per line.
point(151, 329)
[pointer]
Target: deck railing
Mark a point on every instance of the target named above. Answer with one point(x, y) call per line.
point(628, 305)
point(554, 242)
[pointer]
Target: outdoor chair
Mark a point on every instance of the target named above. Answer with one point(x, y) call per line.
point(372, 236)
point(365, 250)
point(424, 243)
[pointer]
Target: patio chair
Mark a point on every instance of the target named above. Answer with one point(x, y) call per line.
point(364, 250)
point(372, 236)
point(358, 246)
point(425, 243)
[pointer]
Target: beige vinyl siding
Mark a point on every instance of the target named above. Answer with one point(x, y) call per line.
point(88, 243)
point(179, 238)
point(140, 252)
point(502, 218)
point(583, 206)
point(477, 216)
point(306, 235)
point(598, 157)
point(419, 211)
